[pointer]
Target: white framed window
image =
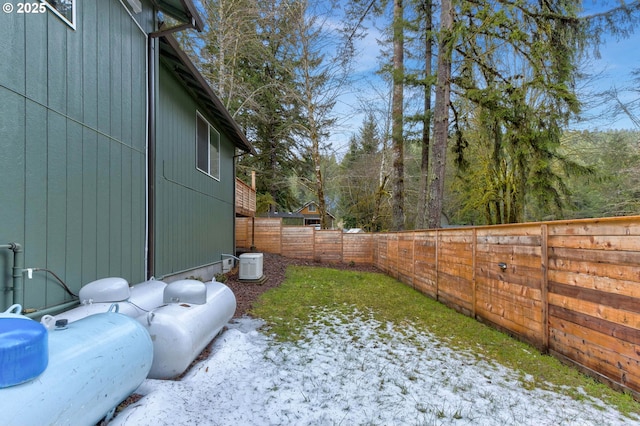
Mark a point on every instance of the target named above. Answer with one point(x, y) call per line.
point(312, 208)
point(207, 147)
point(65, 9)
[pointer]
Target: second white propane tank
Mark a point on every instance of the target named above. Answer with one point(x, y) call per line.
point(180, 331)
point(141, 297)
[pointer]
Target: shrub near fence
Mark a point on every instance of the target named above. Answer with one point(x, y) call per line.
point(570, 288)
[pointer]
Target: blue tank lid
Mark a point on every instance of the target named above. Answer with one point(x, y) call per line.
point(24, 350)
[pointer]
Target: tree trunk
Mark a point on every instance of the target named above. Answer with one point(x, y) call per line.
point(315, 153)
point(438, 155)
point(397, 114)
point(426, 123)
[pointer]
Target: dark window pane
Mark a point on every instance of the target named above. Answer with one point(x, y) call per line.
point(202, 142)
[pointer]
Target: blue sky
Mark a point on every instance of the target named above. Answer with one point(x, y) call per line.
point(619, 57)
point(614, 67)
point(618, 60)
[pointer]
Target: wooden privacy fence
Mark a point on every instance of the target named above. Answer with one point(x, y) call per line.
point(570, 288)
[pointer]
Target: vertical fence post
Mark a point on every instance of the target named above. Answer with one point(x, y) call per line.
point(544, 290)
point(437, 265)
point(413, 259)
point(280, 234)
point(473, 271)
point(313, 244)
point(252, 246)
point(397, 256)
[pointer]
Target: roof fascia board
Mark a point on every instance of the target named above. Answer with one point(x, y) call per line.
point(186, 13)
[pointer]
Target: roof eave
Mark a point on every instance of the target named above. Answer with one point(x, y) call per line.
point(195, 83)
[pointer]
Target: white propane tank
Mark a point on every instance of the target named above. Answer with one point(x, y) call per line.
point(180, 331)
point(112, 289)
point(94, 364)
point(142, 297)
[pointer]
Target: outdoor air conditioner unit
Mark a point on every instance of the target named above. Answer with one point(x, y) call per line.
point(250, 266)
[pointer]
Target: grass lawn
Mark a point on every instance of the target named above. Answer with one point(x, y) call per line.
point(293, 308)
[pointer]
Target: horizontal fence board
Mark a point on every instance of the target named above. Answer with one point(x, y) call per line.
point(597, 310)
point(613, 300)
point(499, 286)
point(620, 332)
point(597, 242)
point(584, 269)
point(602, 284)
point(328, 246)
point(593, 338)
point(457, 288)
point(267, 235)
point(426, 285)
point(510, 240)
point(524, 317)
point(597, 350)
point(572, 287)
point(358, 248)
point(530, 256)
point(462, 257)
point(516, 275)
point(455, 303)
point(509, 230)
point(458, 263)
point(296, 242)
point(519, 305)
point(405, 258)
point(596, 256)
point(243, 232)
point(528, 331)
point(462, 232)
point(596, 358)
point(612, 226)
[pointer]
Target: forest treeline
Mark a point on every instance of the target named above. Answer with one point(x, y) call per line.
point(605, 182)
point(469, 122)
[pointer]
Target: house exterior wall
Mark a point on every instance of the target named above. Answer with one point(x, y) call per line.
point(307, 212)
point(72, 137)
point(194, 213)
point(312, 215)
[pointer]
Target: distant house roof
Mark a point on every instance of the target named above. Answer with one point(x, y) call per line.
point(179, 63)
point(181, 10)
point(281, 214)
point(315, 204)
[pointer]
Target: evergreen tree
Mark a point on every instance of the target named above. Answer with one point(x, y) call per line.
point(363, 188)
point(321, 73)
point(248, 54)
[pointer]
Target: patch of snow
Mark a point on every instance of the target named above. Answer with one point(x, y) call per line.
point(354, 371)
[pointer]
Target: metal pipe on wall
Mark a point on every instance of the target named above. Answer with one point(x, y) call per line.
point(17, 289)
point(54, 310)
point(151, 158)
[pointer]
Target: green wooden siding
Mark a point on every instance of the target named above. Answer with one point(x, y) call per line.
point(194, 212)
point(72, 137)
